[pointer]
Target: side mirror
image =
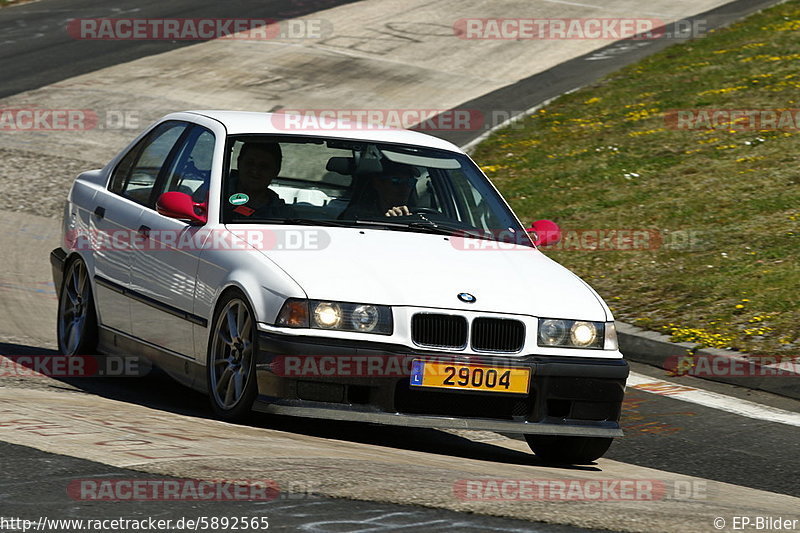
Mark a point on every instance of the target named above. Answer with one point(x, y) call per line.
point(180, 205)
point(544, 232)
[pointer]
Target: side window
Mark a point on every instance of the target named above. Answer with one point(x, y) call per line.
point(190, 171)
point(123, 169)
point(137, 172)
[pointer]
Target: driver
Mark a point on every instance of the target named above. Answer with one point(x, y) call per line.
point(385, 194)
point(258, 164)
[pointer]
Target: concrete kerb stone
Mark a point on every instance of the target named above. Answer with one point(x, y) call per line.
point(785, 385)
point(650, 347)
point(653, 348)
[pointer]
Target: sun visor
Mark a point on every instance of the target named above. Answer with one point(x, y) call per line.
point(422, 161)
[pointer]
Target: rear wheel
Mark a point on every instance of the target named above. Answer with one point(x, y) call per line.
point(76, 325)
point(231, 373)
point(568, 450)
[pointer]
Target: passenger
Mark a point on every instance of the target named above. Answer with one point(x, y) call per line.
point(385, 194)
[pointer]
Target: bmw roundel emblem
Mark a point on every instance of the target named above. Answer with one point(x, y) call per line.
point(466, 298)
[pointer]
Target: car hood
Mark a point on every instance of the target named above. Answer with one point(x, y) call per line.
point(402, 268)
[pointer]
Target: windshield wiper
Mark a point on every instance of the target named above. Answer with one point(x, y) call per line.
point(382, 223)
point(315, 222)
point(426, 226)
point(441, 228)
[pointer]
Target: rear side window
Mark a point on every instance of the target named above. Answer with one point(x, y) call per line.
point(137, 172)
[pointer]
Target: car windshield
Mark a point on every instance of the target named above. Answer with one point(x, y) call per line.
point(306, 180)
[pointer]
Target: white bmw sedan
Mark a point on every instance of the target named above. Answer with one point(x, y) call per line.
point(351, 274)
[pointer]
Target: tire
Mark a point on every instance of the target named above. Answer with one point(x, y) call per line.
point(76, 324)
point(568, 450)
point(232, 349)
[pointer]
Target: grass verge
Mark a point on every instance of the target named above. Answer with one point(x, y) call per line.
point(721, 261)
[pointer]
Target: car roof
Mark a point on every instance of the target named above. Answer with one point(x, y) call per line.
point(250, 122)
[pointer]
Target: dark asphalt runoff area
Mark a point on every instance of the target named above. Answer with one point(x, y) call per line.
point(661, 432)
point(36, 49)
point(677, 436)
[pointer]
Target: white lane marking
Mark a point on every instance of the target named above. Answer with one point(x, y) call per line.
point(713, 400)
point(573, 4)
point(519, 116)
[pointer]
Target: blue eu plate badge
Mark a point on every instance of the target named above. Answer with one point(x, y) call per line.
point(417, 372)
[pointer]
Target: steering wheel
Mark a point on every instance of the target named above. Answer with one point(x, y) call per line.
point(426, 211)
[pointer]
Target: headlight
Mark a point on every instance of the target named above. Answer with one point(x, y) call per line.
point(552, 332)
point(583, 334)
point(318, 314)
point(572, 333)
point(327, 315)
point(365, 318)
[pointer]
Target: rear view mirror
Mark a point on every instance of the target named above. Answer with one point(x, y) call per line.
point(180, 205)
point(341, 165)
point(544, 232)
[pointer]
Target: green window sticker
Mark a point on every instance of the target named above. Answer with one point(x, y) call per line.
point(238, 199)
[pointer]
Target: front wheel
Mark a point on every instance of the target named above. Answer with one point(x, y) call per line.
point(568, 450)
point(76, 326)
point(231, 373)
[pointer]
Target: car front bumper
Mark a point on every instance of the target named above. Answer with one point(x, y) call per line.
point(576, 396)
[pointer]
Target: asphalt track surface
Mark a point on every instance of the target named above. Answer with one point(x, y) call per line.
point(34, 488)
point(661, 432)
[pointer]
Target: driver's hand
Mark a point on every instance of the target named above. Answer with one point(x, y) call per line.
point(398, 211)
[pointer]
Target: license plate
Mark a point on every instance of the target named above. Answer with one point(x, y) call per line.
point(470, 377)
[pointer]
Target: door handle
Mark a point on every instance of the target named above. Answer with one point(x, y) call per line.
point(100, 211)
point(144, 231)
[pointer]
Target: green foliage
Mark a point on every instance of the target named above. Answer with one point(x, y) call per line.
point(607, 157)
